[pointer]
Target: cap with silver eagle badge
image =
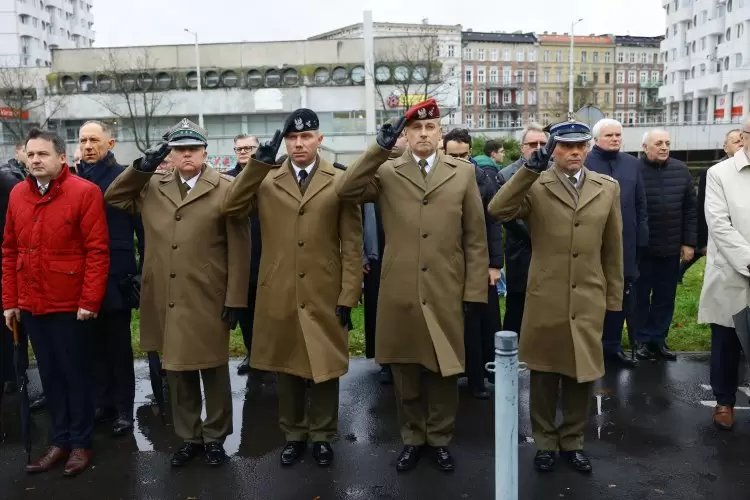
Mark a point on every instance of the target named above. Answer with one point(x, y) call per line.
point(186, 133)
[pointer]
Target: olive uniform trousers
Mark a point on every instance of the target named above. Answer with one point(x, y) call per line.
point(319, 421)
point(545, 389)
point(185, 395)
point(436, 428)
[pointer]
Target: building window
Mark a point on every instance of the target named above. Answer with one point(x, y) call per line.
point(481, 77)
point(583, 56)
point(631, 76)
point(532, 76)
point(558, 56)
point(558, 97)
point(520, 55)
point(595, 57)
point(620, 77)
point(546, 56)
point(606, 98)
point(469, 97)
point(546, 97)
point(451, 51)
point(493, 97)
point(506, 55)
point(493, 75)
point(519, 76)
point(519, 97)
point(532, 55)
point(606, 78)
point(618, 116)
point(620, 97)
point(558, 77)
point(532, 97)
point(644, 58)
point(469, 120)
point(607, 57)
point(546, 76)
point(467, 54)
point(703, 43)
point(620, 57)
point(643, 96)
point(493, 120)
point(469, 75)
point(481, 121)
point(595, 77)
point(631, 58)
point(480, 54)
point(644, 77)
point(655, 76)
point(481, 96)
point(493, 54)
point(631, 96)
point(506, 97)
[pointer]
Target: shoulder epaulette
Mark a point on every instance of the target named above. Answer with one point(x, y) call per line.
point(339, 166)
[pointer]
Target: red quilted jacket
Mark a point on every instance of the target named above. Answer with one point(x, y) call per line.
point(55, 247)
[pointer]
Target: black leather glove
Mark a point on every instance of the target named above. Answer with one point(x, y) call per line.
point(389, 134)
point(130, 288)
point(231, 315)
point(266, 152)
point(152, 158)
point(345, 315)
point(539, 159)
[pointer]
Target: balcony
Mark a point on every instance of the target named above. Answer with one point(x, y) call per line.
point(652, 84)
point(682, 63)
point(681, 15)
point(651, 104)
point(711, 81)
point(507, 106)
point(672, 91)
point(505, 83)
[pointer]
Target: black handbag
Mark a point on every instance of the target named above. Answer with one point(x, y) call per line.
point(130, 288)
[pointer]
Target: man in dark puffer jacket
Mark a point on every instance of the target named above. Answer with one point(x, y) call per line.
point(672, 222)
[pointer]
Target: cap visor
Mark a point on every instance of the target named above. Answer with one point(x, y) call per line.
point(185, 143)
point(580, 138)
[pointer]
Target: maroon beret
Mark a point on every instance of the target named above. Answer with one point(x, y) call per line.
point(425, 110)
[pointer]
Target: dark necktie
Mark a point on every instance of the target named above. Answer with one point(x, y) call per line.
point(423, 167)
point(302, 177)
point(186, 186)
point(573, 180)
point(43, 189)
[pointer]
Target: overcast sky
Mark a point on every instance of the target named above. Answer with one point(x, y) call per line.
point(154, 22)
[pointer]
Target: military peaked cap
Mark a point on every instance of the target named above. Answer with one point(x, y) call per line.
point(570, 131)
point(186, 133)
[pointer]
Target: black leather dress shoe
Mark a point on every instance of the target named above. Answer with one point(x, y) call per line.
point(322, 453)
point(104, 415)
point(621, 359)
point(480, 393)
point(215, 454)
point(386, 376)
point(122, 425)
point(544, 461)
point(39, 403)
point(663, 352)
point(292, 452)
point(443, 459)
point(244, 367)
point(408, 458)
point(644, 352)
point(186, 453)
point(578, 460)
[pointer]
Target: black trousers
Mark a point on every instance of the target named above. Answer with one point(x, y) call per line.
point(725, 363)
point(64, 349)
point(615, 320)
point(656, 290)
point(514, 303)
point(247, 318)
point(115, 378)
point(684, 266)
point(8, 372)
point(371, 289)
point(479, 338)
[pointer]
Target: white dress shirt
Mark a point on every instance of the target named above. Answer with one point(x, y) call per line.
point(430, 161)
point(297, 170)
point(190, 182)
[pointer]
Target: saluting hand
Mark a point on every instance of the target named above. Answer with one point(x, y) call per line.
point(266, 152)
point(153, 157)
point(539, 159)
point(389, 134)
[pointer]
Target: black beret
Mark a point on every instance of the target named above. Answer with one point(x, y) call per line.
point(300, 120)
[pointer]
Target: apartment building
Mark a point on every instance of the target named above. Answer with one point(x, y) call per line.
point(638, 75)
point(593, 74)
point(706, 60)
point(499, 79)
point(31, 29)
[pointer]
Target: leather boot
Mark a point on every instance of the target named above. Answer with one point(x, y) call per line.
point(724, 417)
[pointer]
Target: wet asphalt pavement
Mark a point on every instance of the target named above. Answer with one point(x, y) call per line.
point(649, 437)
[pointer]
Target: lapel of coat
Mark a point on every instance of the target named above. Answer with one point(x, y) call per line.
point(440, 173)
point(324, 174)
point(406, 167)
point(169, 188)
point(550, 180)
point(208, 180)
point(284, 179)
point(589, 190)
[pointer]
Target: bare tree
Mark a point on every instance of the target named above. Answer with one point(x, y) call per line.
point(416, 74)
point(135, 96)
point(25, 100)
point(583, 95)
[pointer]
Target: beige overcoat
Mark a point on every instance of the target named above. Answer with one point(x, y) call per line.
point(435, 254)
point(311, 263)
point(576, 271)
point(197, 261)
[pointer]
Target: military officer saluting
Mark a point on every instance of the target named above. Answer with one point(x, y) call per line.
point(189, 297)
point(434, 269)
point(576, 275)
point(310, 277)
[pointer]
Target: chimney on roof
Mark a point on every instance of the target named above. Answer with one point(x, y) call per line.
point(425, 21)
point(469, 30)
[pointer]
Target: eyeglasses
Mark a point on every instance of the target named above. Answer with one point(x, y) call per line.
point(537, 144)
point(245, 149)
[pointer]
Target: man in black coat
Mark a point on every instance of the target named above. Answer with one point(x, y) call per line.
point(605, 158)
point(517, 242)
point(479, 330)
point(244, 147)
point(732, 143)
point(672, 224)
point(115, 378)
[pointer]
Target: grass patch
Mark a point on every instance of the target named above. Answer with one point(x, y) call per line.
point(685, 334)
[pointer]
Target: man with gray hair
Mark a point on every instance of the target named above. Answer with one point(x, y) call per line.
point(244, 147)
point(517, 242)
point(606, 158)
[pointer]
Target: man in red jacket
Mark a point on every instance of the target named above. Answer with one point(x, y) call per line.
point(55, 263)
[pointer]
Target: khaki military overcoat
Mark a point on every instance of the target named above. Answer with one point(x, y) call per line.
point(435, 254)
point(576, 271)
point(196, 263)
point(311, 262)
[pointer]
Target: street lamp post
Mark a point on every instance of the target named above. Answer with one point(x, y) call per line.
point(570, 70)
point(198, 69)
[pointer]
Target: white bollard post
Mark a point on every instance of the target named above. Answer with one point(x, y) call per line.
point(505, 369)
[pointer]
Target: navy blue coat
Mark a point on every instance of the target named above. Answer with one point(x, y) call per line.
point(626, 169)
point(255, 244)
point(122, 226)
